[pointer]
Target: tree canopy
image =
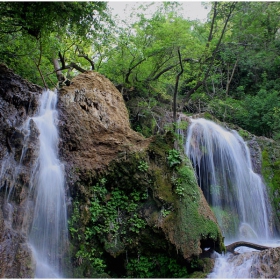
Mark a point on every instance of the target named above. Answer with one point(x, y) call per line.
point(229, 64)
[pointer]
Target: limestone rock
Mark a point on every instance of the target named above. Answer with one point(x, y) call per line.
point(266, 264)
point(94, 123)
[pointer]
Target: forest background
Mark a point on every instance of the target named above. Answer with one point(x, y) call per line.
point(228, 66)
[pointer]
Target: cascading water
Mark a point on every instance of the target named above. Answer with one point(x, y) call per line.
point(235, 192)
point(48, 235)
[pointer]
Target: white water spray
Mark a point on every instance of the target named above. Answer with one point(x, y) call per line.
point(48, 236)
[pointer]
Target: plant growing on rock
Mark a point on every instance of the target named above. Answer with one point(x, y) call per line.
point(174, 157)
point(143, 166)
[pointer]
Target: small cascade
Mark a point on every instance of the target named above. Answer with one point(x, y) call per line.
point(229, 266)
point(236, 194)
point(48, 235)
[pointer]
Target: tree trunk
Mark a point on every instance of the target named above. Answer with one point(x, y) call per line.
point(58, 72)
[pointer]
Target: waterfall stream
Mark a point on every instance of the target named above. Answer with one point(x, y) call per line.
point(48, 236)
point(236, 194)
point(45, 217)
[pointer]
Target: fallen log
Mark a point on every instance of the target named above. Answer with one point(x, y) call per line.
point(230, 248)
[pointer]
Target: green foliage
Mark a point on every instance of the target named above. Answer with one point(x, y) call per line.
point(143, 166)
point(243, 133)
point(86, 253)
point(242, 81)
point(174, 158)
point(165, 212)
point(74, 220)
point(259, 118)
point(136, 223)
point(36, 18)
point(276, 123)
point(271, 174)
point(112, 213)
point(32, 34)
point(158, 266)
point(183, 177)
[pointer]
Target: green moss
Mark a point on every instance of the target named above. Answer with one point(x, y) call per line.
point(244, 134)
point(198, 275)
point(160, 146)
point(191, 224)
point(271, 175)
point(135, 207)
point(208, 116)
point(162, 186)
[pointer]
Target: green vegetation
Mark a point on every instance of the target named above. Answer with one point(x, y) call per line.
point(174, 158)
point(143, 166)
point(271, 174)
point(230, 62)
point(157, 266)
point(231, 73)
point(130, 213)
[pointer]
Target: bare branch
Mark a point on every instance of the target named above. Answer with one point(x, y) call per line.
point(131, 68)
point(176, 88)
point(64, 66)
point(210, 37)
point(85, 56)
point(229, 79)
point(171, 67)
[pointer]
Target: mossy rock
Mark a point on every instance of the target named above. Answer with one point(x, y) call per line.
point(271, 175)
point(133, 208)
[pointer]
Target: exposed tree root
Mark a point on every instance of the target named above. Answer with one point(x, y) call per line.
point(230, 248)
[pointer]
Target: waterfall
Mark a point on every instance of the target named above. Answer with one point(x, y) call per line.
point(48, 235)
point(234, 191)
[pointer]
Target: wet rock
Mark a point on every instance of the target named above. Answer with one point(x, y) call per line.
point(18, 101)
point(266, 264)
point(256, 155)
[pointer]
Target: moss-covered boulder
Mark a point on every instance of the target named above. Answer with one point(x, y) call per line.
point(137, 210)
point(143, 207)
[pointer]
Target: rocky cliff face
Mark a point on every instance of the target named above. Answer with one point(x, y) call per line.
point(18, 100)
point(133, 202)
